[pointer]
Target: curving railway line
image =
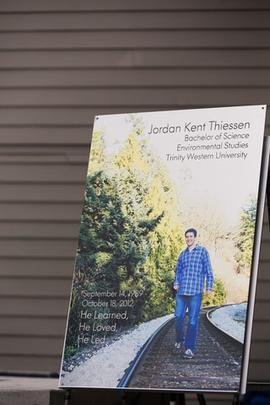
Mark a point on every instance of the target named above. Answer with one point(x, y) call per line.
point(216, 365)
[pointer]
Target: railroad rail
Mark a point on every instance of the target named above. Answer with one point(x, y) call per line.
point(216, 365)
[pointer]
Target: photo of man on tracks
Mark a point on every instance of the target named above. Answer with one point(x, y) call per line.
point(193, 269)
point(163, 266)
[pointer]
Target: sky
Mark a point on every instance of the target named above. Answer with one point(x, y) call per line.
point(225, 184)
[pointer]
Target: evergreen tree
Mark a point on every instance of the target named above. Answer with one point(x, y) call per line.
point(113, 245)
point(136, 160)
point(131, 234)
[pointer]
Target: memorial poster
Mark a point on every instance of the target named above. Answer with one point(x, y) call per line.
point(165, 270)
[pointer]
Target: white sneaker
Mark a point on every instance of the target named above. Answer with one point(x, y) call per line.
point(188, 354)
point(177, 345)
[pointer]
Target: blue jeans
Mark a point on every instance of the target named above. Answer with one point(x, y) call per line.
point(193, 304)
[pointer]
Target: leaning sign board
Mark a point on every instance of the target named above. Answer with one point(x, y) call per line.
point(166, 265)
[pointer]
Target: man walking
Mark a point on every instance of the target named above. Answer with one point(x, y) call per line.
point(192, 270)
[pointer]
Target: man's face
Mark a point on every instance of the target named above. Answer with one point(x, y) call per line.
point(190, 239)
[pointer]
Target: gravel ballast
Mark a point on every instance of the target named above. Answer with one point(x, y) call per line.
point(231, 319)
point(106, 366)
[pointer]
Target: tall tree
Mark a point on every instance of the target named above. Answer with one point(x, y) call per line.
point(113, 245)
point(137, 162)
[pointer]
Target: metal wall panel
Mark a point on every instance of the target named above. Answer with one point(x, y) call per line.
point(63, 62)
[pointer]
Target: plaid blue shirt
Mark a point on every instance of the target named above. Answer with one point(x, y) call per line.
point(193, 267)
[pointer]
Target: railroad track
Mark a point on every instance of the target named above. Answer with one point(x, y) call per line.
point(215, 367)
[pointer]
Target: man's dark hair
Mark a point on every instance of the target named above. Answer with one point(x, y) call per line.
point(191, 230)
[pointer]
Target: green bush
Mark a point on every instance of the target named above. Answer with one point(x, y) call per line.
point(218, 295)
point(70, 351)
